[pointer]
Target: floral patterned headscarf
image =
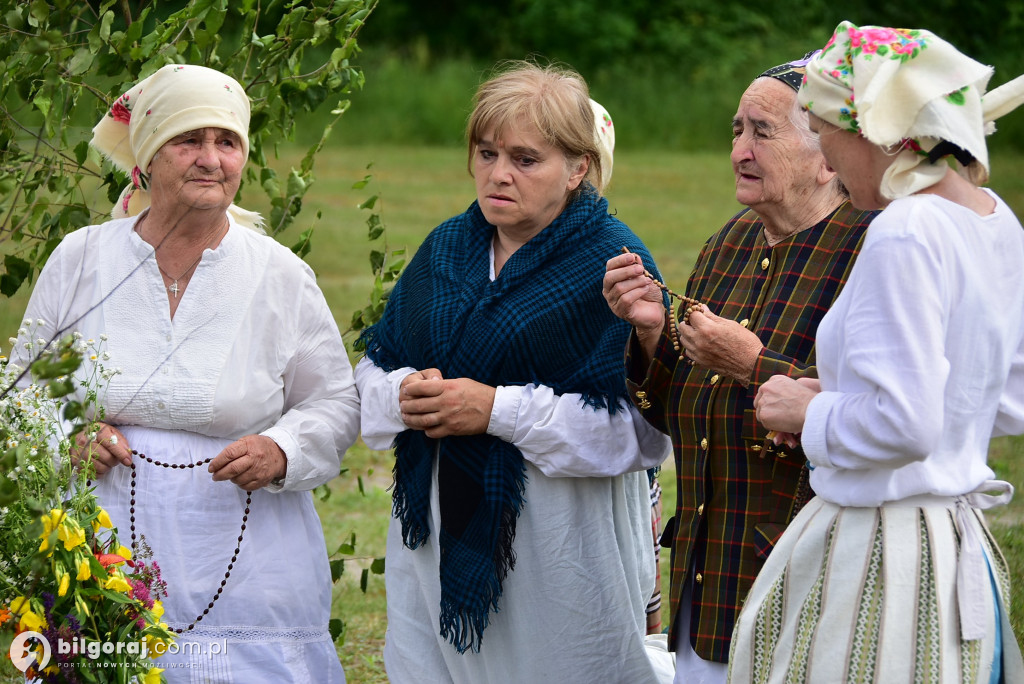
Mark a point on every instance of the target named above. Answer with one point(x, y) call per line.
point(175, 99)
point(912, 92)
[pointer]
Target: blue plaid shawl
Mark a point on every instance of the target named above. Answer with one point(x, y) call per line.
point(542, 321)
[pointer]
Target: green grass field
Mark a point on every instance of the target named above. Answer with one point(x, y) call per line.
point(672, 200)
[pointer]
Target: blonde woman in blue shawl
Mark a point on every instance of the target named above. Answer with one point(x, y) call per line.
point(520, 545)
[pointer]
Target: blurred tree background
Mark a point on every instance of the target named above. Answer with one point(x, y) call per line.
point(669, 71)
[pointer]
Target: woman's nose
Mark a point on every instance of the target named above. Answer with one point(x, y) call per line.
point(741, 148)
point(208, 157)
point(501, 170)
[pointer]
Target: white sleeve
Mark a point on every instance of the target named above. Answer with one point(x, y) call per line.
point(378, 394)
point(564, 437)
point(321, 420)
point(1010, 418)
point(892, 365)
point(560, 435)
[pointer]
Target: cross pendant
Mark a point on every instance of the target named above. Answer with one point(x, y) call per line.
point(173, 289)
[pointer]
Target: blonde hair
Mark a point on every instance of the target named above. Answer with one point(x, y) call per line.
point(554, 99)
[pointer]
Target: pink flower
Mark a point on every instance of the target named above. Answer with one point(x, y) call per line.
point(881, 35)
point(905, 48)
point(121, 113)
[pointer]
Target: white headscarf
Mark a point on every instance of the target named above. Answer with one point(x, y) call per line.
point(605, 140)
point(909, 90)
point(175, 99)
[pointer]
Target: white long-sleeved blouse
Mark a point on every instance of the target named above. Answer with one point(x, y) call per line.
point(560, 435)
point(252, 347)
point(921, 358)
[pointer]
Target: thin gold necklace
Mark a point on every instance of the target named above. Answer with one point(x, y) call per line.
point(174, 288)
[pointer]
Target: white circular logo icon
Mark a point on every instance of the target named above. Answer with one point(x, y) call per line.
point(24, 656)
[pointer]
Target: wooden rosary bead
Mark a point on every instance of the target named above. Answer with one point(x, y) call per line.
point(691, 306)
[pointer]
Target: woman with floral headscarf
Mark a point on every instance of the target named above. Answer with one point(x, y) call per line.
point(889, 573)
point(235, 396)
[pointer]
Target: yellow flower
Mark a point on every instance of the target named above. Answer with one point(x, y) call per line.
point(65, 582)
point(82, 606)
point(117, 582)
point(152, 676)
point(158, 610)
point(124, 552)
point(104, 519)
point(84, 570)
point(51, 520)
point(31, 622)
point(71, 533)
point(19, 605)
point(155, 645)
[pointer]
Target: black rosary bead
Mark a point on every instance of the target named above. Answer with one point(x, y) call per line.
point(238, 548)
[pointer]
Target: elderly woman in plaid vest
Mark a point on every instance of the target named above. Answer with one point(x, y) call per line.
point(759, 288)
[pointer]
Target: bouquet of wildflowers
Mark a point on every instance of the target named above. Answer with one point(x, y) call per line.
point(75, 606)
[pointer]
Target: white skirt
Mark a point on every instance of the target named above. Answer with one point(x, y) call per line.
point(571, 611)
point(871, 595)
point(270, 623)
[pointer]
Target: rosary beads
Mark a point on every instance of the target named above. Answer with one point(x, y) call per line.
point(691, 306)
point(238, 545)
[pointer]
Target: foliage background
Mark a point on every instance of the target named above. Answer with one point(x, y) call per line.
point(669, 72)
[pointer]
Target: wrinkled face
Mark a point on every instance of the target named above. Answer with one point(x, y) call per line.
point(522, 181)
point(859, 163)
point(773, 165)
point(201, 169)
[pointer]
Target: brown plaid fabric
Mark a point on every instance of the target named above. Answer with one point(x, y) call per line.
point(736, 491)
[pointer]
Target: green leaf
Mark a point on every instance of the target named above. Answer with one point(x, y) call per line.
point(377, 566)
point(9, 491)
point(81, 62)
point(60, 388)
point(348, 548)
point(39, 10)
point(105, 22)
point(376, 260)
point(82, 151)
point(337, 569)
point(296, 184)
point(17, 267)
point(336, 627)
point(302, 247)
point(369, 203)
point(43, 104)
point(364, 578)
point(15, 19)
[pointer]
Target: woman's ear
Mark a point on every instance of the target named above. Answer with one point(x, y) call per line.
point(579, 173)
point(825, 173)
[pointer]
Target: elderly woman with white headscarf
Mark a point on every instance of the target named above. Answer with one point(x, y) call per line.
point(889, 573)
point(235, 396)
